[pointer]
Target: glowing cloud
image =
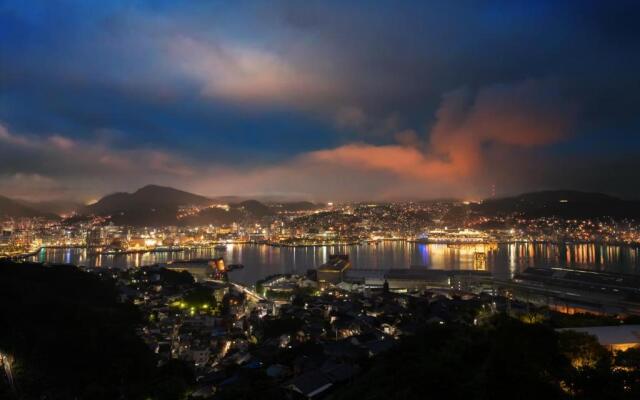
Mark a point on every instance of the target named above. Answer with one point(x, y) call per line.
point(527, 114)
point(245, 74)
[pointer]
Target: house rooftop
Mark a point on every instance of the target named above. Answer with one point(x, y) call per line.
point(310, 384)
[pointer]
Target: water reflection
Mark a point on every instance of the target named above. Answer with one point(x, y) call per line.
point(503, 260)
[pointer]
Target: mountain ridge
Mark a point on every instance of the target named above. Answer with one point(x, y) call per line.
point(159, 205)
point(561, 203)
point(146, 196)
point(17, 209)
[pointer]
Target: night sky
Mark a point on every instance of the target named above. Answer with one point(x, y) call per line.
point(326, 100)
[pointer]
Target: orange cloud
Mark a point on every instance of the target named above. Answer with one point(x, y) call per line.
point(62, 142)
point(532, 113)
point(525, 115)
point(474, 138)
point(401, 160)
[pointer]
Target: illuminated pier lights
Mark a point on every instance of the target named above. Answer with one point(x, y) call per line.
point(480, 253)
point(477, 253)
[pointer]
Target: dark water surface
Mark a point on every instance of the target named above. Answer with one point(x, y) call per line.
point(503, 260)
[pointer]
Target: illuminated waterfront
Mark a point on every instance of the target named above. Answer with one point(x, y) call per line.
point(261, 260)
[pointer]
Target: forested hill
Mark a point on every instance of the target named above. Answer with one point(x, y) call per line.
point(71, 339)
point(561, 203)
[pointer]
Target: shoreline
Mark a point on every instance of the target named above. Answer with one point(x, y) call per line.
point(320, 245)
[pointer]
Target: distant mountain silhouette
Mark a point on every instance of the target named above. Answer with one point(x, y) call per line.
point(158, 205)
point(58, 207)
point(150, 196)
point(16, 208)
point(254, 208)
point(561, 203)
point(150, 205)
point(297, 206)
point(154, 205)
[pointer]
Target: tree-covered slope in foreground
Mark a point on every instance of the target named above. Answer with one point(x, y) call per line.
point(71, 339)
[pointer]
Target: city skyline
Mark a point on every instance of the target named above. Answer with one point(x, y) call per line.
point(321, 101)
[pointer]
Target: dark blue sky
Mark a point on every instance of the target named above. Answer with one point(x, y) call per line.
point(320, 100)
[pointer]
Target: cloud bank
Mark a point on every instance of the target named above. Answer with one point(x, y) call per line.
point(55, 166)
point(319, 99)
